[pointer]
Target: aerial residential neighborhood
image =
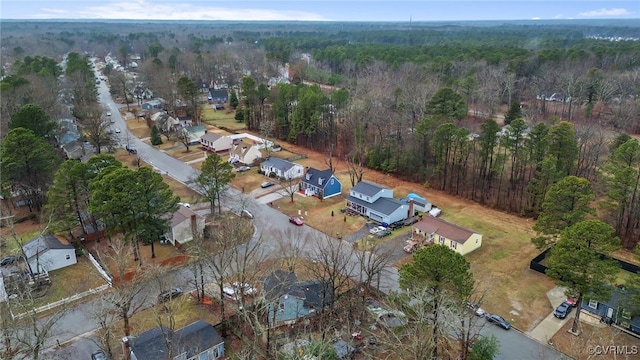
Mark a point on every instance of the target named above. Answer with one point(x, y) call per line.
point(219, 193)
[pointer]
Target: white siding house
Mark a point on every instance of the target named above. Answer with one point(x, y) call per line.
point(246, 154)
point(183, 225)
point(49, 252)
point(282, 168)
point(216, 142)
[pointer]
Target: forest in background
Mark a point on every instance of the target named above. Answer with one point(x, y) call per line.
point(416, 100)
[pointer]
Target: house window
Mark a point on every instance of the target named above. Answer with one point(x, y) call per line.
point(453, 244)
point(441, 239)
point(332, 181)
point(281, 307)
point(477, 241)
point(68, 257)
point(593, 304)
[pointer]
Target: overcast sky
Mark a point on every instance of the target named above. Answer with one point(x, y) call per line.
point(327, 10)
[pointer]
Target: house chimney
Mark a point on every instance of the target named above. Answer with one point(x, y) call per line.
point(410, 208)
point(194, 226)
point(126, 348)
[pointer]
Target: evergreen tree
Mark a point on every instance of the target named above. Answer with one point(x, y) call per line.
point(233, 100)
point(156, 138)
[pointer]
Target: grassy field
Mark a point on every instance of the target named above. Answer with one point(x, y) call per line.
point(221, 119)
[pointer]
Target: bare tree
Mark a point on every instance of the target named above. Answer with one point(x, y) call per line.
point(333, 266)
point(183, 136)
point(355, 167)
point(106, 331)
point(414, 340)
point(94, 127)
point(372, 264)
point(289, 186)
point(127, 284)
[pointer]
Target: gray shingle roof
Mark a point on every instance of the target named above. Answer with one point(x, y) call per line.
point(277, 163)
point(384, 206)
point(434, 225)
point(192, 339)
point(43, 243)
point(315, 175)
point(367, 188)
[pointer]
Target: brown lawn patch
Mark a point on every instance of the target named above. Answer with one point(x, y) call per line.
point(248, 180)
point(595, 338)
point(185, 193)
point(138, 128)
point(627, 255)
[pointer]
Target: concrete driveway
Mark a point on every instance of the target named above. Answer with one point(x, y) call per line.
point(550, 325)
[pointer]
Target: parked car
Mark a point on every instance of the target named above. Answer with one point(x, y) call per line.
point(383, 233)
point(246, 214)
point(376, 230)
point(108, 113)
point(243, 168)
point(8, 260)
point(411, 246)
point(498, 320)
point(475, 308)
point(296, 220)
point(266, 184)
point(99, 355)
point(572, 300)
point(563, 310)
point(245, 288)
point(118, 131)
point(169, 295)
point(131, 149)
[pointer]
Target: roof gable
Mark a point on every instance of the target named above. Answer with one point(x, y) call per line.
point(42, 243)
point(313, 176)
point(211, 137)
point(434, 225)
point(367, 188)
point(183, 213)
point(277, 163)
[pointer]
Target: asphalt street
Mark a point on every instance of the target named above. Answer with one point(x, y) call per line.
point(79, 322)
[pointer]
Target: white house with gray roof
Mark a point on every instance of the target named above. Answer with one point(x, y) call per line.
point(282, 168)
point(48, 253)
point(377, 203)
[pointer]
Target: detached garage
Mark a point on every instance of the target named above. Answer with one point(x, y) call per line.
point(48, 253)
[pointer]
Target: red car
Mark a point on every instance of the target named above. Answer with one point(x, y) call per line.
point(572, 300)
point(296, 220)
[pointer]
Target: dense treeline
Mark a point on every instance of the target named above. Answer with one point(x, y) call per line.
point(412, 100)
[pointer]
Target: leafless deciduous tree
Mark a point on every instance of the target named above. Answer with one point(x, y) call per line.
point(333, 266)
point(94, 126)
point(127, 284)
point(413, 340)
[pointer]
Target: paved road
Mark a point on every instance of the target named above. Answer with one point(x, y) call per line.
point(79, 321)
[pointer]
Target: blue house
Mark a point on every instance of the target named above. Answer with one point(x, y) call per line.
point(220, 96)
point(618, 310)
point(377, 203)
point(198, 340)
point(320, 183)
point(289, 299)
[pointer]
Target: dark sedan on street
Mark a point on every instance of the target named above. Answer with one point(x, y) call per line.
point(498, 320)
